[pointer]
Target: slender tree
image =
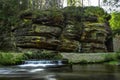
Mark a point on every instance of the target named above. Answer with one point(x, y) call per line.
point(82, 3)
point(89, 3)
point(99, 3)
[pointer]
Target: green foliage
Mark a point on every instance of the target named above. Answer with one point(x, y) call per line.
point(80, 13)
point(83, 62)
point(115, 20)
point(91, 10)
point(113, 62)
point(118, 54)
point(111, 57)
point(50, 16)
point(8, 58)
point(12, 58)
point(74, 2)
point(8, 17)
point(73, 13)
point(96, 11)
point(42, 55)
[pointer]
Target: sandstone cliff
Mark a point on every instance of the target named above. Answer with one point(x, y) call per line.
point(72, 29)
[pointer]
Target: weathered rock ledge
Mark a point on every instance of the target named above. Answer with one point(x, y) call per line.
point(72, 29)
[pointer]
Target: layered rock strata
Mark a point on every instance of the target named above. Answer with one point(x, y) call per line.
point(67, 30)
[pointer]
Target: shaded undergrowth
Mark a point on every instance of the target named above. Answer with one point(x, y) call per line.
point(12, 58)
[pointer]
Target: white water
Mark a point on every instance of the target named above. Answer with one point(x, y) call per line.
point(36, 65)
point(41, 63)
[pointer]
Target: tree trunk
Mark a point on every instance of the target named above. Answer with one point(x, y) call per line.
point(99, 3)
point(82, 3)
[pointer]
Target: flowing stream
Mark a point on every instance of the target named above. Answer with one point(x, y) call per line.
point(75, 72)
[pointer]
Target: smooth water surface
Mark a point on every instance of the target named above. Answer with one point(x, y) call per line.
point(76, 72)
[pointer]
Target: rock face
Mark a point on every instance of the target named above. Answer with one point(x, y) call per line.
point(94, 37)
point(72, 29)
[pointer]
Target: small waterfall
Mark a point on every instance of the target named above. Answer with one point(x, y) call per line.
point(60, 62)
point(79, 47)
point(38, 62)
point(43, 63)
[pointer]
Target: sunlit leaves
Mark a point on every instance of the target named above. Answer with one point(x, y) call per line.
point(115, 21)
point(74, 2)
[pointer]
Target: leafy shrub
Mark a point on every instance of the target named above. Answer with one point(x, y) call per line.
point(43, 55)
point(10, 58)
point(83, 62)
point(115, 21)
point(111, 57)
point(118, 54)
point(98, 12)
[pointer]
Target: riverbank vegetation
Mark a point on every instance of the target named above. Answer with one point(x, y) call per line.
point(91, 58)
point(110, 59)
point(12, 58)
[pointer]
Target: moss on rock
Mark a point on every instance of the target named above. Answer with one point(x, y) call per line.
point(63, 30)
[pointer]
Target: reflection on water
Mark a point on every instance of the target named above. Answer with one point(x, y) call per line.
point(77, 72)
